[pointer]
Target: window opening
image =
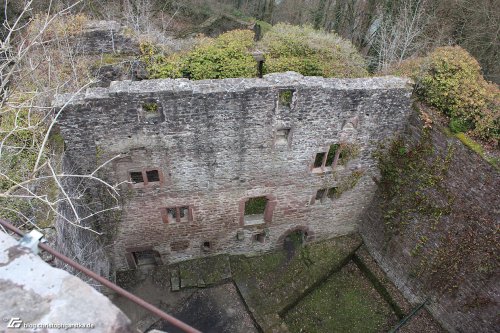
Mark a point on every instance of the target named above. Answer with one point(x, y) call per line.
point(144, 258)
point(136, 177)
point(261, 237)
point(285, 97)
point(153, 176)
point(207, 246)
point(254, 210)
point(320, 194)
point(282, 136)
point(318, 161)
point(332, 193)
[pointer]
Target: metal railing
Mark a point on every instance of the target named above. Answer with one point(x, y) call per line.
point(139, 301)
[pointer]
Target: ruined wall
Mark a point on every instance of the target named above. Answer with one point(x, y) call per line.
point(98, 37)
point(217, 143)
point(437, 238)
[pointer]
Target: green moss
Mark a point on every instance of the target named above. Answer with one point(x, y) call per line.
point(204, 271)
point(265, 281)
point(150, 107)
point(345, 303)
point(409, 172)
point(348, 183)
point(477, 148)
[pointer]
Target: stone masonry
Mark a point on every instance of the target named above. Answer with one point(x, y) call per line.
point(35, 297)
point(193, 154)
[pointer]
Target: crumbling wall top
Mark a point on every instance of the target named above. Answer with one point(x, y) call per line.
point(274, 80)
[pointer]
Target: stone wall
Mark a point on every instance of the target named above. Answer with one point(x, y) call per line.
point(217, 143)
point(449, 257)
point(98, 37)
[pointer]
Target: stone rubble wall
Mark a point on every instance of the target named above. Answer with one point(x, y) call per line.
point(214, 143)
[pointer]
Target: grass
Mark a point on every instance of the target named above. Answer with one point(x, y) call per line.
point(204, 271)
point(275, 281)
point(345, 303)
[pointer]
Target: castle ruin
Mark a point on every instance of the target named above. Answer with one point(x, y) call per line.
point(233, 165)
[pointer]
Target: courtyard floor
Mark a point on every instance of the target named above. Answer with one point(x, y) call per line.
point(330, 286)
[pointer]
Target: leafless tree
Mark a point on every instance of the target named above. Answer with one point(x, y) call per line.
point(397, 35)
point(37, 63)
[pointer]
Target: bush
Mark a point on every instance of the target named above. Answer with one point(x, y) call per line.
point(226, 56)
point(451, 81)
point(289, 48)
point(310, 52)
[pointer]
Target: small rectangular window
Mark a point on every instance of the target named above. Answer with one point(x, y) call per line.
point(176, 214)
point(255, 209)
point(332, 193)
point(286, 97)
point(136, 177)
point(318, 160)
point(331, 154)
point(282, 136)
point(183, 212)
point(153, 176)
point(171, 214)
point(145, 258)
point(206, 246)
point(320, 194)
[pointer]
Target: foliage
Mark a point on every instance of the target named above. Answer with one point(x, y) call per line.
point(408, 174)
point(226, 56)
point(150, 107)
point(285, 97)
point(310, 52)
point(21, 133)
point(348, 183)
point(451, 81)
point(290, 48)
point(255, 205)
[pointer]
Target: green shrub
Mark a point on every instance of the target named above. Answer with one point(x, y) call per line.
point(226, 56)
point(289, 48)
point(458, 125)
point(310, 52)
point(451, 80)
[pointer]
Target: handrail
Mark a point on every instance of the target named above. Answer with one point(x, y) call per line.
point(139, 301)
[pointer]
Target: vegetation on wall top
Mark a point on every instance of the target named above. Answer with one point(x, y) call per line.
point(289, 48)
point(311, 52)
point(223, 57)
point(451, 81)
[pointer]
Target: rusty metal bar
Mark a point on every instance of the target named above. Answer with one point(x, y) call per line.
point(403, 321)
point(139, 301)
